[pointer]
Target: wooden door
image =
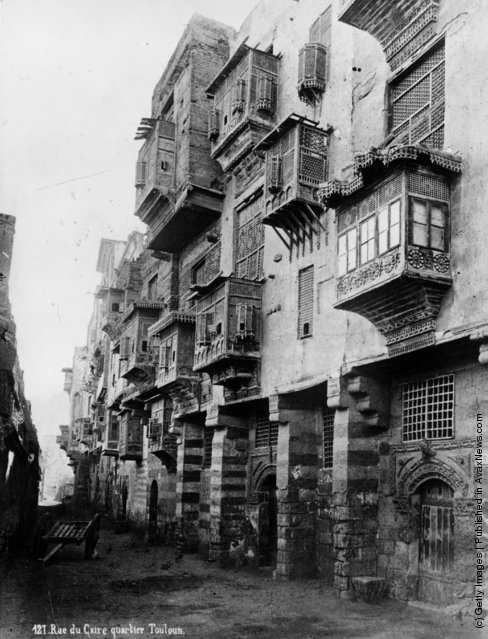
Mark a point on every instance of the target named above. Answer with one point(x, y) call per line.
point(436, 540)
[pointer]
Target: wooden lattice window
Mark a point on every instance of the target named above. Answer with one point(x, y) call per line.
point(250, 241)
point(266, 433)
point(417, 101)
point(312, 59)
point(428, 409)
point(312, 166)
point(328, 437)
point(207, 447)
point(305, 301)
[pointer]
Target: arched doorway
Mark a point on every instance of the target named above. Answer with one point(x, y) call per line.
point(267, 521)
point(434, 499)
point(153, 508)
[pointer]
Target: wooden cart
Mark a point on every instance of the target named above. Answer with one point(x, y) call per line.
point(67, 532)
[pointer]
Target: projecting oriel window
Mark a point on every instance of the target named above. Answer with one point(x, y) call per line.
point(428, 409)
point(305, 302)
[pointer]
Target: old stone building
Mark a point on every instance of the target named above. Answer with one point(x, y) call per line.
point(298, 353)
point(19, 446)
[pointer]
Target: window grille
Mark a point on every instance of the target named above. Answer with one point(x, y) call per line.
point(167, 415)
point(245, 324)
point(328, 437)
point(140, 174)
point(213, 125)
point(275, 182)
point(202, 331)
point(250, 241)
point(239, 96)
point(266, 433)
point(428, 409)
point(417, 101)
point(265, 95)
point(305, 301)
point(208, 434)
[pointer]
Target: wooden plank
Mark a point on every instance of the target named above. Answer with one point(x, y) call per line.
point(52, 552)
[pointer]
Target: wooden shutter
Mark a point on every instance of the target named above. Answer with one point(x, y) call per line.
point(213, 124)
point(305, 301)
point(140, 173)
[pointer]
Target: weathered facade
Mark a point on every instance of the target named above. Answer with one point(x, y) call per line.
point(299, 357)
point(19, 447)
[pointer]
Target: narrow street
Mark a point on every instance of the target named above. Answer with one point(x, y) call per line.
point(132, 589)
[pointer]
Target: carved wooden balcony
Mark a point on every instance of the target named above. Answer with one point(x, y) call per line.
point(162, 443)
point(296, 165)
point(393, 247)
point(136, 354)
point(177, 197)
point(155, 165)
point(110, 445)
point(228, 334)
point(245, 103)
point(175, 335)
point(130, 438)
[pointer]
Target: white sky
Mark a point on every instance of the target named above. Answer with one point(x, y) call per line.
point(76, 76)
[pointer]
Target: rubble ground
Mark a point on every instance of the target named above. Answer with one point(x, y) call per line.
point(132, 589)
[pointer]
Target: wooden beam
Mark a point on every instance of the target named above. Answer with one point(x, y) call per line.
point(281, 237)
point(316, 217)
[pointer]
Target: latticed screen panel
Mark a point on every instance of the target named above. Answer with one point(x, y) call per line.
point(266, 433)
point(313, 157)
point(428, 409)
point(305, 302)
point(250, 241)
point(433, 187)
point(417, 101)
point(328, 440)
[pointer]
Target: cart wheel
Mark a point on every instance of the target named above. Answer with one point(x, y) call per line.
point(40, 545)
point(92, 537)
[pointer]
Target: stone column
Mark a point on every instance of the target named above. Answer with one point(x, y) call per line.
point(227, 482)
point(189, 466)
point(361, 412)
point(297, 463)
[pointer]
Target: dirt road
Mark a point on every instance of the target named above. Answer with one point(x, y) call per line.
point(134, 590)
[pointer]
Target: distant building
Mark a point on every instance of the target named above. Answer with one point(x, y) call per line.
point(300, 348)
